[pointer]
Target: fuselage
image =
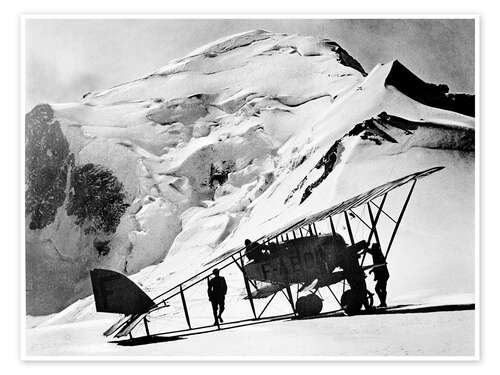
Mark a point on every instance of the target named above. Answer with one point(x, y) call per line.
point(299, 260)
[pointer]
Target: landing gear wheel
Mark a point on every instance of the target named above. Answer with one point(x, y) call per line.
point(309, 305)
point(350, 302)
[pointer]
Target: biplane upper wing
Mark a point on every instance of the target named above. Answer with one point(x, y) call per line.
point(339, 208)
point(356, 201)
point(363, 198)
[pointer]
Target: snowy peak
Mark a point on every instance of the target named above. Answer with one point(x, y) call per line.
point(256, 60)
point(268, 43)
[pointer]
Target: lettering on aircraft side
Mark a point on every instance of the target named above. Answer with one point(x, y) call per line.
point(293, 265)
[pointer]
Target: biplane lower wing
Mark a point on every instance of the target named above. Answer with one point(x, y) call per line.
point(266, 291)
point(309, 286)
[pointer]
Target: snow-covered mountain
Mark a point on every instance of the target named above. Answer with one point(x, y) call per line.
point(163, 173)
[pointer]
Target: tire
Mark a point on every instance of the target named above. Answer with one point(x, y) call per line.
point(351, 302)
point(309, 305)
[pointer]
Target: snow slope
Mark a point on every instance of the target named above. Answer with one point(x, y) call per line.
point(231, 142)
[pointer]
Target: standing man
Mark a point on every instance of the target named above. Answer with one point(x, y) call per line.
point(380, 273)
point(217, 289)
point(355, 277)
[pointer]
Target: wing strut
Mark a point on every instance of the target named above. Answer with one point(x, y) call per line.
point(247, 284)
point(400, 218)
point(351, 237)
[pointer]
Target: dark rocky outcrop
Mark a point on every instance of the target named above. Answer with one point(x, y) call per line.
point(47, 162)
point(96, 198)
point(428, 93)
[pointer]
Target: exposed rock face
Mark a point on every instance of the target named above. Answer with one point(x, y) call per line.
point(227, 143)
point(428, 93)
point(47, 165)
point(69, 210)
point(96, 199)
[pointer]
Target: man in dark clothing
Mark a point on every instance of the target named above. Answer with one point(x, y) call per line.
point(217, 289)
point(255, 251)
point(380, 273)
point(355, 276)
point(250, 250)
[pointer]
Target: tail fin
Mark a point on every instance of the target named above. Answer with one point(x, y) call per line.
point(115, 293)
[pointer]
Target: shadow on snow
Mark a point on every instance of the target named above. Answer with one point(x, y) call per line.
point(397, 309)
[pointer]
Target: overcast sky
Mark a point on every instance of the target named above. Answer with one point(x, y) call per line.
point(67, 58)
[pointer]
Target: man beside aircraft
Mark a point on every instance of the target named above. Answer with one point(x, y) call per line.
point(355, 276)
point(217, 289)
point(256, 251)
point(380, 273)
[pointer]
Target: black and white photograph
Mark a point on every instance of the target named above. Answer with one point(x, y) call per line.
point(250, 188)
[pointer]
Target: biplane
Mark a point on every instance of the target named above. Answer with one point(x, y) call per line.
point(299, 255)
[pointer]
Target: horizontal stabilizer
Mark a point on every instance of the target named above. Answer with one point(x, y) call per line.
point(127, 329)
point(119, 324)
